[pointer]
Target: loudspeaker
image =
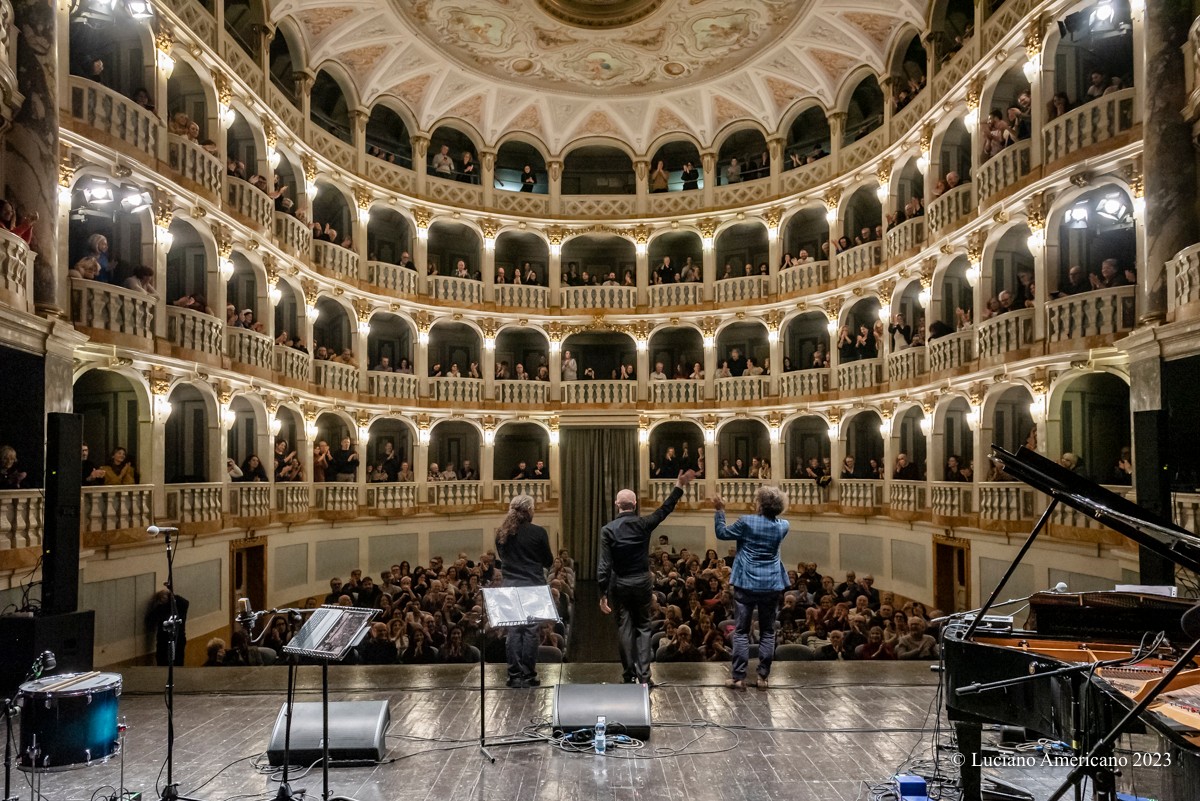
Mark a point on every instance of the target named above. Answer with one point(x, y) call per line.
point(60, 540)
point(626, 708)
point(70, 637)
point(356, 732)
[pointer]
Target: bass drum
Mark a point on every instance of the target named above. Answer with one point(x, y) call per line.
point(69, 721)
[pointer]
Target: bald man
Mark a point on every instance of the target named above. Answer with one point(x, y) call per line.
point(624, 575)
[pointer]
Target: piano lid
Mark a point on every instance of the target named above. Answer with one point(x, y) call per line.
point(1149, 531)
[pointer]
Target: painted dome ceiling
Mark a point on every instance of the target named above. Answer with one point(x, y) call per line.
point(567, 69)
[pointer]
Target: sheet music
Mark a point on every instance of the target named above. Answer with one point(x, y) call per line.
point(331, 631)
point(519, 606)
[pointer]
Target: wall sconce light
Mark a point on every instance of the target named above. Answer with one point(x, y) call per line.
point(226, 268)
point(273, 159)
point(226, 115)
point(923, 162)
point(773, 233)
point(489, 244)
point(423, 337)
point(489, 343)
point(312, 312)
point(423, 436)
point(310, 191)
point(882, 193)
point(885, 428)
point(1037, 409)
point(642, 344)
point(276, 295)
point(166, 64)
point(228, 416)
point(422, 233)
point(972, 274)
point(831, 214)
point(710, 341)
point(1033, 66)
point(364, 216)
point(489, 437)
point(835, 429)
point(554, 438)
point(310, 428)
point(707, 243)
point(885, 311)
point(364, 433)
point(775, 432)
point(710, 435)
point(924, 297)
point(773, 336)
point(926, 426)
point(364, 328)
point(640, 248)
point(162, 407)
point(832, 325)
point(555, 346)
point(276, 425)
point(555, 249)
point(972, 418)
point(644, 436)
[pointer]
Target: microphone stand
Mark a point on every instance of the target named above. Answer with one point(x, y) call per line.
point(170, 791)
point(9, 712)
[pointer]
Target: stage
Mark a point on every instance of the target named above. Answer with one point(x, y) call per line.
point(821, 731)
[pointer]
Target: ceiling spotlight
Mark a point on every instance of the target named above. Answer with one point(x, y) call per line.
point(140, 9)
point(1112, 208)
point(1077, 217)
point(98, 193)
point(135, 201)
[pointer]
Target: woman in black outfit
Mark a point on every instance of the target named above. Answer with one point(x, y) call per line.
point(524, 551)
point(253, 470)
point(528, 179)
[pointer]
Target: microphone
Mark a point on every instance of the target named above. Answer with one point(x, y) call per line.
point(245, 613)
point(1060, 588)
point(45, 661)
point(154, 531)
point(49, 660)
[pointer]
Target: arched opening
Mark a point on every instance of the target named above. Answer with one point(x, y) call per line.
point(675, 447)
point(808, 139)
point(519, 450)
point(332, 431)
point(453, 350)
point(591, 255)
point(742, 448)
point(909, 65)
point(331, 220)
point(243, 293)
point(806, 342)
point(388, 137)
point(954, 300)
point(244, 20)
point(186, 437)
point(857, 337)
point(246, 443)
point(598, 170)
point(283, 64)
point(288, 188)
point(743, 156)
point(743, 250)
point(905, 326)
point(1011, 425)
point(289, 319)
point(452, 155)
point(523, 254)
point(864, 442)
point(676, 257)
point(807, 447)
point(1012, 99)
point(109, 223)
point(289, 441)
point(455, 249)
point(187, 104)
point(865, 111)
point(332, 339)
point(741, 348)
point(954, 442)
point(601, 356)
point(330, 108)
point(1094, 54)
point(188, 276)
point(389, 451)
point(1097, 241)
point(952, 25)
point(675, 157)
point(806, 237)
point(241, 148)
point(389, 345)
point(110, 46)
point(911, 445)
point(512, 159)
point(113, 417)
point(863, 216)
point(454, 451)
point(1091, 421)
point(910, 195)
point(521, 355)
point(389, 237)
point(1009, 274)
point(954, 159)
point(676, 352)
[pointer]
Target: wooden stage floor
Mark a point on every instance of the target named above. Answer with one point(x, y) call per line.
point(820, 732)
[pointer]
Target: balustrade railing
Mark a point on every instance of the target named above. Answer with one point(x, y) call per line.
point(684, 390)
point(1003, 170)
point(249, 347)
point(392, 277)
point(523, 296)
point(337, 496)
point(292, 363)
point(457, 390)
point(803, 493)
point(1101, 312)
point(195, 164)
point(335, 259)
point(538, 490)
point(742, 289)
point(95, 304)
point(249, 201)
point(803, 276)
point(1185, 277)
point(602, 392)
point(1005, 333)
point(947, 211)
point(22, 518)
point(952, 350)
point(455, 493)
point(856, 493)
point(859, 259)
point(1070, 517)
point(293, 498)
point(741, 388)
point(16, 266)
point(1187, 511)
point(1098, 121)
point(250, 499)
point(907, 364)
point(116, 508)
point(392, 385)
point(804, 383)
point(115, 115)
point(905, 237)
point(531, 392)
point(660, 490)
point(456, 290)
point(679, 294)
point(194, 503)
point(1005, 500)
point(907, 496)
point(392, 496)
point(598, 297)
point(950, 498)
point(196, 331)
point(738, 490)
point(293, 234)
point(860, 374)
point(336, 376)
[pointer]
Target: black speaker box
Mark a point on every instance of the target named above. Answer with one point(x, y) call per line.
point(356, 732)
point(626, 708)
point(70, 637)
point(60, 539)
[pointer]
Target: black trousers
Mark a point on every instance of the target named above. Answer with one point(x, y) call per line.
point(630, 602)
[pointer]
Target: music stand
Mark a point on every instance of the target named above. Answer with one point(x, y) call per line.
point(509, 607)
point(328, 636)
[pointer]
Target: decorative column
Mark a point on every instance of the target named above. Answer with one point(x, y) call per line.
point(358, 123)
point(886, 85)
point(552, 459)
point(641, 338)
point(833, 311)
point(775, 148)
point(837, 447)
point(887, 197)
point(556, 334)
point(362, 351)
point(775, 344)
point(712, 464)
point(1038, 97)
point(708, 230)
point(644, 476)
point(311, 291)
point(774, 245)
point(488, 269)
point(554, 236)
point(779, 466)
point(554, 170)
point(974, 271)
point(424, 321)
point(837, 133)
point(708, 329)
point(832, 199)
point(304, 82)
point(420, 464)
point(1035, 211)
point(31, 146)
point(973, 126)
point(420, 147)
point(420, 252)
point(641, 201)
point(153, 471)
point(487, 458)
point(487, 176)
point(164, 212)
point(305, 203)
point(487, 365)
point(708, 162)
point(164, 66)
point(360, 225)
point(641, 236)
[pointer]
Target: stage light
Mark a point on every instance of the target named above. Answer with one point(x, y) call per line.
point(1112, 208)
point(140, 9)
point(1077, 217)
point(135, 201)
point(98, 193)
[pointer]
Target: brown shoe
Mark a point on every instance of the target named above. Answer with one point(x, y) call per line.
point(735, 684)
point(761, 683)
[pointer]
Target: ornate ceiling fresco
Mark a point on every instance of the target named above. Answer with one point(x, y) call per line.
point(566, 69)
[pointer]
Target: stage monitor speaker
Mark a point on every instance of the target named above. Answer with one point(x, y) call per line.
point(60, 540)
point(71, 638)
point(356, 732)
point(626, 708)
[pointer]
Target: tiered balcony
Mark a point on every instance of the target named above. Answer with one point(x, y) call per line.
point(523, 296)
point(392, 498)
point(804, 383)
point(335, 260)
point(857, 260)
point(392, 385)
point(860, 496)
point(538, 490)
point(675, 392)
point(606, 393)
point(336, 376)
point(738, 491)
point(1003, 170)
point(292, 364)
point(16, 270)
point(459, 291)
point(953, 207)
point(1004, 334)
point(860, 375)
point(22, 515)
point(106, 308)
point(1093, 123)
point(119, 121)
point(804, 495)
point(1100, 313)
point(457, 390)
point(598, 297)
point(250, 500)
point(455, 493)
point(293, 501)
point(743, 289)
point(803, 277)
point(195, 165)
point(1005, 501)
point(392, 277)
point(250, 202)
point(905, 238)
point(951, 351)
point(907, 497)
point(950, 498)
point(665, 295)
point(1184, 279)
point(737, 389)
point(195, 331)
point(195, 503)
point(661, 488)
point(523, 392)
point(293, 235)
point(249, 348)
point(906, 365)
point(108, 509)
point(337, 500)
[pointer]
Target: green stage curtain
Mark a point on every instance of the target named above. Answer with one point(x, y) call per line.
point(596, 463)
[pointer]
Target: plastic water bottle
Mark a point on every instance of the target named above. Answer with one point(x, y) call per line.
point(601, 742)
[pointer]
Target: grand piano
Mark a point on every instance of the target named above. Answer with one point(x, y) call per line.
point(1084, 664)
